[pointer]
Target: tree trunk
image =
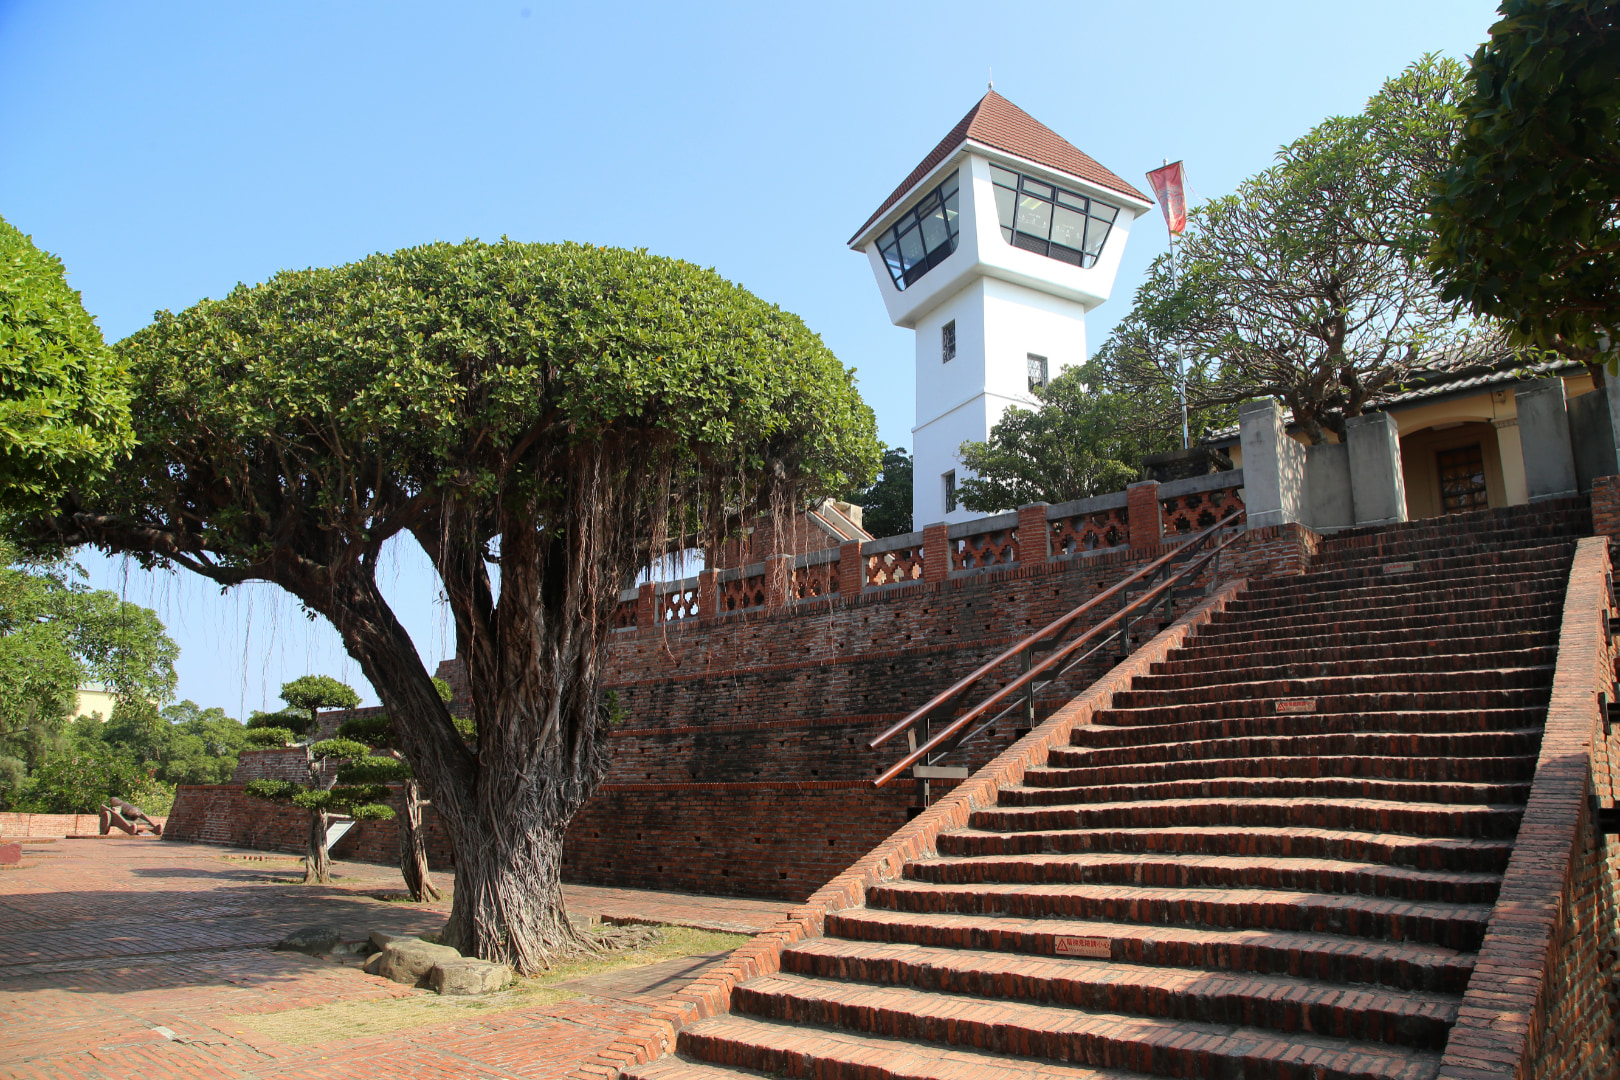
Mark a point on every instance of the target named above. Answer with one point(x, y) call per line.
point(413, 864)
point(317, 862)
point(508, 902)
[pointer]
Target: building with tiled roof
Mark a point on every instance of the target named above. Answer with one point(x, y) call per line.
point(992, 250)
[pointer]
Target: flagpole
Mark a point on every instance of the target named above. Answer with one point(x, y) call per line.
point(1181, 364)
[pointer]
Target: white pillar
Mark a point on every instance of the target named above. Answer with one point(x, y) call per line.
point(1273, 466)
point(1549, 457)
point(1377, 485)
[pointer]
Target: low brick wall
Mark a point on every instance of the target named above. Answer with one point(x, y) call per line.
point(53, 824)
point(224, 814)
point(780, 839)
point(1537, 1005)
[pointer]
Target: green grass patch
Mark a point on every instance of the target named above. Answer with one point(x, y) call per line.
point(673, 943)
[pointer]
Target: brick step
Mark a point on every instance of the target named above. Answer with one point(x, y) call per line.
point(1453, 532)
point(1401, 965)
point(1435, 560)
point(1420, 618)
point(1359, 815)
point(1488, 666)
point(1487, 856)
point(1550, 574)
point(1267, 787)
point(1195, 870)
point(1462, 732)
point(1318, 602)
point(1456, 926)
point(1171, 1048)
point(809, 1053)
point(1280, 1003)
point(1170, 710)
point(1536, 631)
point(1517, 769)
point(1403, 651)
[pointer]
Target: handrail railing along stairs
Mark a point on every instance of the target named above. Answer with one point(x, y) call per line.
point(923, 759)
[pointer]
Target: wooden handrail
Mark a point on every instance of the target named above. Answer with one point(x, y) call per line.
point(1059, 655)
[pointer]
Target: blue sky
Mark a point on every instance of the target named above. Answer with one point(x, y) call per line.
point(168, 151)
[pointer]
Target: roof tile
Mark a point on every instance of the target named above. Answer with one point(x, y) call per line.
point(996, 122)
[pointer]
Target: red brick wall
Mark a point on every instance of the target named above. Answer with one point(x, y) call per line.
point(25, 825)
point(274, 763)
point(1606, 506)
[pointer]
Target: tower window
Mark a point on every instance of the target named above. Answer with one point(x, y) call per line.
point(1037, 371)
point(1049, 220)
point(924, 236)
point(1462, 479)
point(947, 342)
point(950, 491)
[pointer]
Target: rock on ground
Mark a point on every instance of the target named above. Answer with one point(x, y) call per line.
point(466, 977)
point(314, 940)
point(409, 961)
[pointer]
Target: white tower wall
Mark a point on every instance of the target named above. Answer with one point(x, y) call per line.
point(1007, 303)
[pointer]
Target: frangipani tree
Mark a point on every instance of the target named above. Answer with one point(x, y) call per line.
point(544, 415)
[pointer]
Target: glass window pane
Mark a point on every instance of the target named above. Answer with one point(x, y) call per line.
point(1034, 217)
point(1104, 211)
point(948, 188)
point(1069, 198)
point(1068, 227)
point(1035, 187)
point(951, 213)
point(1003, 177)
point(911, 247)
point(1006, 234)
point(1004, 206)
point(1096, 233)
point(934, 231)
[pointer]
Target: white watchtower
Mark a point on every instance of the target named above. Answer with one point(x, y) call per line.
point(993, 250)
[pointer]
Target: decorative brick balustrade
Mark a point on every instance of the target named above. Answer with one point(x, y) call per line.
point(1033, 534)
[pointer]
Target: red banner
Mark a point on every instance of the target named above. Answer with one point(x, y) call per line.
point(1169, 187)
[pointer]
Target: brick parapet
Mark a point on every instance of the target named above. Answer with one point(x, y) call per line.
point(711, 994)
point(1144, 518)
point(936, 553)
point(15, 826)
point(1034, 533)
point(1606, 506)
point(1531, 1004)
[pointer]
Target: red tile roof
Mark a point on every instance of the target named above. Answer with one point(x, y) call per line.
point(998, 123)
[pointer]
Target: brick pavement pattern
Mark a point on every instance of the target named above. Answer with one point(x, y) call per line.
point(1271, 853)
point(130, 957)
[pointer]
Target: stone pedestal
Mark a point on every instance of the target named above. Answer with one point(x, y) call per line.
point(1377, 484)
point(1145, 519)
point(1273, 466)
point(1549, 459)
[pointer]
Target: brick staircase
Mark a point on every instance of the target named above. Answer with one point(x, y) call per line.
point(1273, 857)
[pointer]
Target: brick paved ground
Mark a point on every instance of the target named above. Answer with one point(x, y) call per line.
point(139, 958)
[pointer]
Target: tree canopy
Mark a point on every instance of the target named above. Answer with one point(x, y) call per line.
point(556, 411)
point(1078, 443)
point(57, 635)
point(64, 405)
point(1309, 283)
point(886, 504)
point(1527, 215)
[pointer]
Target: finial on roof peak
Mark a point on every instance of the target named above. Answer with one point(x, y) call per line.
point(992, 78)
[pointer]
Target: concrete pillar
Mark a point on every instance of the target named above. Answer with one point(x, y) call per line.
point(1034, 534)
point(851, 571)
point(1327, 496)
point(1549, 458)
point(1614, 414)
point(1512, 457)
point(1145, 516)
point(1377, 484)
point(936, 551)
point(1273, 466)
point(646, 606)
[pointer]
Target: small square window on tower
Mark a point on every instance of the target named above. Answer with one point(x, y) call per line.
point(947, 342)
point(950, 491)
point(1037, 371)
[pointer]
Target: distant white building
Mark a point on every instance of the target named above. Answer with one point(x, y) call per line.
point(993, 250)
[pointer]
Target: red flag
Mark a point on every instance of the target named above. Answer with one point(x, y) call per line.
point(1169, 185)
